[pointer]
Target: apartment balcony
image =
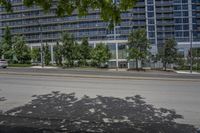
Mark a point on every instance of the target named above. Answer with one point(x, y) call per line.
point(140, 17)
point(32, 23)
point(164, 10)
point(165, 16)
point(140, 4)
point(138, 23)
point(136, 10)
point(163, 23)
point(164, 3)
point(198, 15)
point(165, 30)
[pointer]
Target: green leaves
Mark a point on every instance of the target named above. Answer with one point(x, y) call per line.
point(100, 54)
point(70, 49)
point(47, 54)
point(14, 47)
point(45, 4)
point(21, 50)
point(169, 52)
point(1, 50)
point(58, 54)
point(138, 44)
point(6, 4)
point(85, 49)
point(134, 53)
point(6, 44)
point(85, 52)
point(138, 39)
point(35, 54)
point(127, 4)
point(109, 11)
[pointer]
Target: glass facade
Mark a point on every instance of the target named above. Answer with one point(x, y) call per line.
point(164, 21)
point(28, 21)
point(181, 19)
point(162, 18)
point(196, 19)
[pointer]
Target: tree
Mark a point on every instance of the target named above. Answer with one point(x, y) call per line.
point(100, 54)
point(71, 50)
point(180, 61)
point(138, 45)
point(35, 54)
point(195, 53)
point(169, 52)
point(47, 55)
point(77, 53)
point(85, 51)
point(58, 54)
point(1, 50)
point(21, 50)
point(196, 57)
point(6, 47)
point(109, 11)
point(6, 4)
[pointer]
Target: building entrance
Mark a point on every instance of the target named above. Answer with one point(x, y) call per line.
point(123, 64)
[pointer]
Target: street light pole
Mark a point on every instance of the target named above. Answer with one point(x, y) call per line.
point(116, 49)
point(191, 62)
point(116, 45)
point(41, 41)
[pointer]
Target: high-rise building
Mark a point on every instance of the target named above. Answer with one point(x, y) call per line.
point(162, 19)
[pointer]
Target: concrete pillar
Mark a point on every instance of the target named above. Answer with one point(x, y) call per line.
point(2, 57)
point(31, 51)
point(117, 56)
point(128, 64)
point(31, 48)
point(52, 54)
point(41, 54)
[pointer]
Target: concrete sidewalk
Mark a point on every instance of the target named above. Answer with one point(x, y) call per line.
point(186, 72)
point(45, 67)
point(126, 75)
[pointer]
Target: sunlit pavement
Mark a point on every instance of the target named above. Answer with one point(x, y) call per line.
point(187, 72)
point(183, 96)
point(45, 67)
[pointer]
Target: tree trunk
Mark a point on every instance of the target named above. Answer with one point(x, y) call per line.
point(136, 64)
point(84, 63)
point(2, 57)
point(165, 66)
point(60, 61)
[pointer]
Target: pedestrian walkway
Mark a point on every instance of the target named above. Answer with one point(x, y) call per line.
point(121, 70)
point(186, 72)
point(45, 67)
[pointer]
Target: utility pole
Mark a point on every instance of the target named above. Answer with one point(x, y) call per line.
point(41, 41)
point(42, 46)
point(116, 44)
point(191, 57)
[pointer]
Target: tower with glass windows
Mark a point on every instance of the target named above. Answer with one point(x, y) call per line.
point(162, 19)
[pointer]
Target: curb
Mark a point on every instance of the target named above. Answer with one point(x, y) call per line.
point(100, 76)
point(186, 72)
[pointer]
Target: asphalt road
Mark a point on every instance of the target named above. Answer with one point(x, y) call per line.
point(183, 96)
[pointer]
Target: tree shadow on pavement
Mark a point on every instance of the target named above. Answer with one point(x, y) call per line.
point(59, 112)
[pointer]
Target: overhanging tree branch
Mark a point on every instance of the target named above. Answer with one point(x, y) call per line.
point(109, 11)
